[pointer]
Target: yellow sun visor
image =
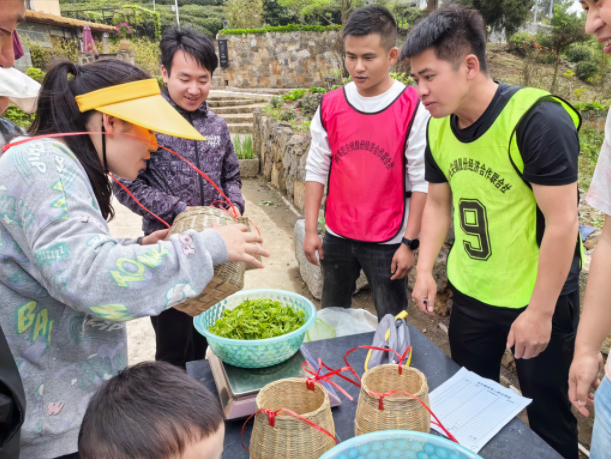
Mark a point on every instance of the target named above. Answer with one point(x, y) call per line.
point(140, 103)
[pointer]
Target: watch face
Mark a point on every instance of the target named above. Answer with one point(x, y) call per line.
point(415, 244)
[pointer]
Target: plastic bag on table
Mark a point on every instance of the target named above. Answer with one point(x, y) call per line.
point(336, 322)
point(392, 333)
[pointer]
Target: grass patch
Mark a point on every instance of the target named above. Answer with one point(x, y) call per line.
point(243, 146)
point(591, 142)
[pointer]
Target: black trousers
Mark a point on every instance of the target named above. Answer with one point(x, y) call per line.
point(478, 336)
point(178, 342)
point(341, 267)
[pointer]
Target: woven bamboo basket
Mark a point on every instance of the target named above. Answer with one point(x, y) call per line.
point(401, 412)
point(228, 278)
point(291, 437)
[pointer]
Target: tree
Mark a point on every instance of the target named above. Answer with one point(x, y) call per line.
point(431, 5)
point(567, 29)
point(245, 14)
point(277, 15)
point(322, 9)
point(508, 15)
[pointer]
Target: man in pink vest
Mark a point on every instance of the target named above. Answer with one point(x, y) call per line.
point(368, 142)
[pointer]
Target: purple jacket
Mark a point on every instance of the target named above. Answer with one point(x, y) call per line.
point(168, 184)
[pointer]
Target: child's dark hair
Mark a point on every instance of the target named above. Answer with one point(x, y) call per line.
point(151, 410)
point(58, 112)
point(373, 19)
point(454, 32)
point(190, 41)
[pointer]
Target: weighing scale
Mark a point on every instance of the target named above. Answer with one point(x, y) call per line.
point(238, 387)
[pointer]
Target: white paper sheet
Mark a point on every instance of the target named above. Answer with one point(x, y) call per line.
point(473, 408)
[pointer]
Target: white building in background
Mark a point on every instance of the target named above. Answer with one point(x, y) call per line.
point(44, 6)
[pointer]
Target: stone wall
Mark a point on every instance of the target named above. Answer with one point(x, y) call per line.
point(594, 118)
point(280, 60)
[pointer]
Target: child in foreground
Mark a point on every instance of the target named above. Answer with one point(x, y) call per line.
point(152, 410)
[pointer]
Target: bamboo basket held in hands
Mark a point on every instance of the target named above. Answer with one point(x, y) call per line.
point(400, 411)
point(291, 437)
point(229, 277)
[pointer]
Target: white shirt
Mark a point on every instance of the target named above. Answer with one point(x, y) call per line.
point(599, 195)
point(319, 156)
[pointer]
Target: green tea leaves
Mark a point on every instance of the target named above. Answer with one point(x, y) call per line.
point(258, 319)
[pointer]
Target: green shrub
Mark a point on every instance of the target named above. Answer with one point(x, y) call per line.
point(294, 95)
point(35, 74)
point(276, 102)
point(402, 78)
point(282, 29)
point(586, 70)
point(317, 90)
point(309, 104)
point(518, 42)
point(536, 47)
point(18, 116)
point(579, 53)
point(288, 114)
point(160, 82)
point(590, 106)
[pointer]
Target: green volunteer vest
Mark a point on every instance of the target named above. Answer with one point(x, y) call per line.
point(496, 252)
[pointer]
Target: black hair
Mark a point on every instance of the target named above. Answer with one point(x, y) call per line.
point(454, 32)
point(190, 41)
point(151, 410)
point(58, 112)
point(373, 19)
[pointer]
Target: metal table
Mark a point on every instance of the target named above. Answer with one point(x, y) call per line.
point(515, 440)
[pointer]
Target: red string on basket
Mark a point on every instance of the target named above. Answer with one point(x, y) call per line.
point(227, 201)
point(317, 377)
point(400, 357)
point(437, 423)
point(138, 202)
point(271, 415)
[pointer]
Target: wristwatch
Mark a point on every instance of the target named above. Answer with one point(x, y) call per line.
point(413, 244)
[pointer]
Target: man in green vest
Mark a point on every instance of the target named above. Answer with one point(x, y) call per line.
point(504, 158)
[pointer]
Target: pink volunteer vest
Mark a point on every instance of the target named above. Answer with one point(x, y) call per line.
point(366, 198)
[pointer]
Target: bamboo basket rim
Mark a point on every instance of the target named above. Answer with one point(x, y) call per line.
point(422, 391)
point(317, 387)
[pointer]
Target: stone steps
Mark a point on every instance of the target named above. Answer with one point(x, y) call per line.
point(238, 118)
point(232, 99)
point(240, 128)
point(233, 103)
point(223, 111)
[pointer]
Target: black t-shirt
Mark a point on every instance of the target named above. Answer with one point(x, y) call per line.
point(548, 143)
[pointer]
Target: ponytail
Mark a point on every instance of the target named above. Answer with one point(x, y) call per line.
point(58, 112)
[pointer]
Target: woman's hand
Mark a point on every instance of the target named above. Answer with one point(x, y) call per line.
point(241, 244)
point(155, 237)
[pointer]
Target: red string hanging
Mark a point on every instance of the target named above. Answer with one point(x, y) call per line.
point(317, 377)
point(271, 415)
point(437, 423)
point(400, 357)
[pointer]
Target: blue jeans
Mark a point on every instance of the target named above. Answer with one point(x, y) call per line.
point(601, 435)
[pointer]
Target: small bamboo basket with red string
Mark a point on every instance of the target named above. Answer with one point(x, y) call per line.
point(394, 397)
point(277, 432)
point(229, 277)
point(396, 411)
point(293, 418)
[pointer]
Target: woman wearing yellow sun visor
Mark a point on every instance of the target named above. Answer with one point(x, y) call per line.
point(66, 284)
